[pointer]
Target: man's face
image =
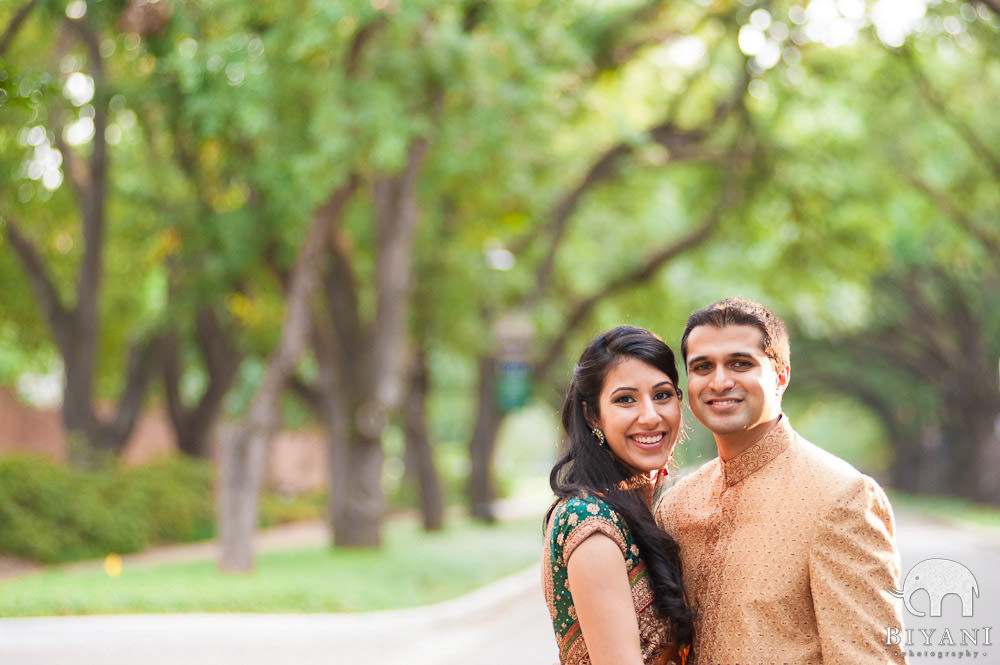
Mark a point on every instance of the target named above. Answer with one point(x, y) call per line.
point(733, 386)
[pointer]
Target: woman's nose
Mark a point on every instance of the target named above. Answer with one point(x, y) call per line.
point(648, 413)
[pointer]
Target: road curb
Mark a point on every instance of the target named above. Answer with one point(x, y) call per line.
point(480, 603)
point(477, 604)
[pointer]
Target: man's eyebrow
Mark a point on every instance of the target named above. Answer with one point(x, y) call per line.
point(734, 354)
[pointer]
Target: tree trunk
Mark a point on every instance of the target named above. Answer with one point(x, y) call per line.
point(971, 398)
point(988, 477)
point(93, 440)
point(919, 460)
point(481, 488)
point(419, 453)
point(359, 522)
point(340, 471)
point(76, 330)
point(378, 390)
point(973, 443)
point(78, 414)
point(246, 447)
point(355, 447)
point(192, 425)
point(243, 457)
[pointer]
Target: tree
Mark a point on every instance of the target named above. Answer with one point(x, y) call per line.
point(705, 136)
point(75, 321)
point(924, 358)
point(244, 446)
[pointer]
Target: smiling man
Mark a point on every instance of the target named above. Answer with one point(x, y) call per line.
point(788, 552)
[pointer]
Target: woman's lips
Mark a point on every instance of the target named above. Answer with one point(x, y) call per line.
point(651, 439)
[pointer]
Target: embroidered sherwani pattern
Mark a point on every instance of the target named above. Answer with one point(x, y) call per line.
point(788, 556)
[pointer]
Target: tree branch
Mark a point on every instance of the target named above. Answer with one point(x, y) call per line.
point(310, 395)
point(217, 351)
point(142, 359)
point(341, 292)
point(617, 53)
point(605, 168)
point(680, 144)
point(171, 382)
point(639, 274)
point(396, 216)
point(361, 39)
point(948, 205)
point(221, 360)
point(932, 97)
point(916, 339)
point(873, 397)
point(992, 4)
point(41, 284)
point(296, 321)
point(79, 173)
point(15, 25)
point(91, 269)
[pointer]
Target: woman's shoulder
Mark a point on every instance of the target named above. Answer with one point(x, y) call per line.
point(575, 518)
point(584, 506)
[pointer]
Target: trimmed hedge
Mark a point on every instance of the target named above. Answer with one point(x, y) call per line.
point(52, 513)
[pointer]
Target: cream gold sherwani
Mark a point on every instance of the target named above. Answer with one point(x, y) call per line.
point(788, 556)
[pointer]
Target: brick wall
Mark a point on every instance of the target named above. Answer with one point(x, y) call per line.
point(297, 461)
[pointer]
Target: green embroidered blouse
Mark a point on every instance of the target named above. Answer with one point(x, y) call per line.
point(572, 522)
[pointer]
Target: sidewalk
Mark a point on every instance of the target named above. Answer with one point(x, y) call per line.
point(504, 622)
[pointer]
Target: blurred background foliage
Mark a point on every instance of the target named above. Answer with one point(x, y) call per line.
point(588, 164)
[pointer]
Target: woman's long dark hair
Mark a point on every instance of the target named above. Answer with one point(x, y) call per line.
point(587, 468)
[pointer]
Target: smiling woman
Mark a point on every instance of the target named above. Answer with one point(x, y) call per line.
point(612, 578)
point(640, 415)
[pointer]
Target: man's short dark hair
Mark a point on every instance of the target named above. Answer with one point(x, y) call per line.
point(741, 312)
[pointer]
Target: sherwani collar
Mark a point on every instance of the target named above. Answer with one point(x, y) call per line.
point(769, 446)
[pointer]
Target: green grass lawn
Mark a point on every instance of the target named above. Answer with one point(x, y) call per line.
point(412, 568)
point(948, 507)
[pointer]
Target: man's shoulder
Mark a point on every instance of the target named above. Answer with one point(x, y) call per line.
point(807, 452)
point(839, 475)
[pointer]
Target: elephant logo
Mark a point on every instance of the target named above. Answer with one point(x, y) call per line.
point(939, 578)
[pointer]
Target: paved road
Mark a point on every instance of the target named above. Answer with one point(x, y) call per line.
point(980, 553)
point(502, 624)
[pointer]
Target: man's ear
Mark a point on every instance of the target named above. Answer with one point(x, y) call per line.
point(784, 376)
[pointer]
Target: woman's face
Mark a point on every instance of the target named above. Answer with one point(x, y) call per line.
point(640, 414)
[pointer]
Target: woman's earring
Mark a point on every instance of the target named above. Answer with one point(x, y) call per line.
point(600, 436)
